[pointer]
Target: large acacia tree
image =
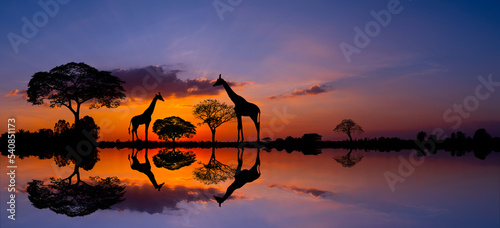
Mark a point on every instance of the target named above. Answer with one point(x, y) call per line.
point(173, 127)
point(349, 127)
point(73, 84)
point(213, 113)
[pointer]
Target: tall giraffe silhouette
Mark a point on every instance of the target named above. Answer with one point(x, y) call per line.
point(144, 167)
point(144, 118)
point(241, 177)
point(242, 108)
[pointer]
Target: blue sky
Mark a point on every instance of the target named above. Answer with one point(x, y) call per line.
point(429, 55)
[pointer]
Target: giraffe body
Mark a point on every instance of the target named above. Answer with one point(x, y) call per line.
point(242, 108)
point(144, 118)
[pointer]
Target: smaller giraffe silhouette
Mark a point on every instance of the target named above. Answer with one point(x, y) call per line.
point(241, 108)
point(144, 167)
point(144, 118)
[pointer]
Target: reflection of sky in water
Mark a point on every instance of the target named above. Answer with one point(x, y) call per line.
point(294, 191)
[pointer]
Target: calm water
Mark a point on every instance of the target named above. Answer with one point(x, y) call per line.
point(293, 190)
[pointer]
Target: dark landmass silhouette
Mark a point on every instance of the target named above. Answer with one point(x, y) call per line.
point(45, 144)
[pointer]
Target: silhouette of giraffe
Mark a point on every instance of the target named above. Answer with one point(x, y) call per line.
point(241, 177)
point(242, 108)
point(144, 118)
point(144, 167)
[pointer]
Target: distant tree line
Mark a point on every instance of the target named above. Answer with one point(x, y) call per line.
point(45, 143)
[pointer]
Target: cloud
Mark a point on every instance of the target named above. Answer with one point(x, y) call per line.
point(316, 193)
point(313, 90)
point(365, 201)
point(16, 92)
point(143, 83)
point(145, 198)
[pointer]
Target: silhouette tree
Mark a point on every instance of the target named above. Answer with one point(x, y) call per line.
point(60, 127)
point(173, 128)
point(74, 84)
point(79, 199)
point(213, 113)
point(213, 172)
point(347, 160)
point(421, 136)
point(85, 162)
point(482, 143)
point(173, 159)
point(90, 126)
point(349, 127)
point(45, 133)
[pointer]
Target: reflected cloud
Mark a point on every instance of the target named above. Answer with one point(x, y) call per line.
point(310, 191)
point(142, 198)
point(372, 204)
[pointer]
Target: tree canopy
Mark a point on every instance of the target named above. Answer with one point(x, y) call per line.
point(213, 113)
point(173, 128)
point(74, 84)
point(348, 160)
point(349, 127)
point(79, 199)
point(173, 159)
point(214, 171)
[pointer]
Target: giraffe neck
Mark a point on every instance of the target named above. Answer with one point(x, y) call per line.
point(151, 177)
point(140, 167)
point(232, 95)
point(151, 107)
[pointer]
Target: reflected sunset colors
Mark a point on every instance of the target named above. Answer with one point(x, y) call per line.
point(293, 190)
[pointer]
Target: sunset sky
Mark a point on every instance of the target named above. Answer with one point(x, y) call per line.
point(430, 64)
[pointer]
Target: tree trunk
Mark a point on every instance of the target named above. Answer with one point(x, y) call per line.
point(213, 137)
point(350, 138)
point(77, 117)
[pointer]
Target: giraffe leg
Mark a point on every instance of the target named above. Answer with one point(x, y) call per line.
point(257, 126)
point(147, 126)
point(134, 131)
point(240, 129)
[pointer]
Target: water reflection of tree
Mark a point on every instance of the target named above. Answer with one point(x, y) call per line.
point(78, 199)
point(214, 171)
point(348, 160)
point(173, 159)
point(85, 162)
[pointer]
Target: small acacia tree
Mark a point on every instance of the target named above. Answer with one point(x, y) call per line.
point(173, 128)
point(213, 113)
point(74, 84)
point(349, 127)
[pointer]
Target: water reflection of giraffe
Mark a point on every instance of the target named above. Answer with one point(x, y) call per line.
point(144, 167)
point(144, 118)
point(241, 177)
point(242, 108)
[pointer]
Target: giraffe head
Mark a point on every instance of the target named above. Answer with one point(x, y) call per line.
point(219, 81)
point(159, 97)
